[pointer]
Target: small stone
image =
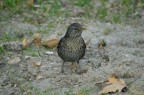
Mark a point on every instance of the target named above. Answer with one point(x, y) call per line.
point(38, 77)
point(15, 60)
point(49, 52)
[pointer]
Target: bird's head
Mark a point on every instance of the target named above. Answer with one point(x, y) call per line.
point(74, 30)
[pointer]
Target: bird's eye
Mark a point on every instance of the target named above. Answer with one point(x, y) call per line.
point(76, 30)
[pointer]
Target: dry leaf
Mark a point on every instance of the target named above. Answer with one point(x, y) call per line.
point(30, 2)
point(102, 43)
point(51, 42)
point(37, 64)
point(27, 57)
point(112, 88)
point(15, 60)
point(38, 77)
point(112, 79)
point(115, 84)
point(37, 39)
point(25, 42)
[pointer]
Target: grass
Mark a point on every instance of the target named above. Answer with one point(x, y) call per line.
point(83, 91)
point(10, 3)
point(8, 37)
point(1, 50)
point(83, 3)
point(107, 31)
point(119, 11)
point(115, 11)
point(31, 52)
point(55, 8)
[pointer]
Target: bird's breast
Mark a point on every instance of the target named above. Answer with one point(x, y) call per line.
point(73, 44)
point(71, 49)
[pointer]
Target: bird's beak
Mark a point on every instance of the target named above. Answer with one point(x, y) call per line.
point(83, 29)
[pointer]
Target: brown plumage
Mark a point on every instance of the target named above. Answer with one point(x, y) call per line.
point(71, 47)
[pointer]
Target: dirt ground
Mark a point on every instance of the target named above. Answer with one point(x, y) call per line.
point(122, 56)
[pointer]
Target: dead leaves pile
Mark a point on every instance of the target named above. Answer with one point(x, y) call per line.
point(113, 84)
point(37, 39)
point(30, 2)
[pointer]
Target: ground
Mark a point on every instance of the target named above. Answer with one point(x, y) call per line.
point(32, 73)
point(124, 57)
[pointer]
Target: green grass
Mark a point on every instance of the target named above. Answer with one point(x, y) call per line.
point(31, 52)
point(1, 50)
point(8, 37)
point(107, 31)
point(84, 91)
point(83, 3)
point(11, 3)
point(102, 13)
point(118, 11)
point(55, 8)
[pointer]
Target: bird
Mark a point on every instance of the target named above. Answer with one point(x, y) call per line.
point(71, 47)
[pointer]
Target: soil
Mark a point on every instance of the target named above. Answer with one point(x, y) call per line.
point(123, 56)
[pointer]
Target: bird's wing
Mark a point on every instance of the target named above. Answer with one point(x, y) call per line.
point(84, 44)
point(60, 43)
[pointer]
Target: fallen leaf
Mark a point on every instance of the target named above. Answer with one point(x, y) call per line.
point(112, 88)
point(37, 39)
point(51, 42)
point(27, 57)
point(112, 79)
point(114, 84)
point(26, 42)
point(38, 77)
point(102, 44)
point(15, 60)
point(37, 64)
point(30, 2)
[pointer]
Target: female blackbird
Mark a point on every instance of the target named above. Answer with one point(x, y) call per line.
point(71, 47)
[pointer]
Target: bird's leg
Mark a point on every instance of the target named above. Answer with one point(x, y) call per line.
point(62, 68)
point(78, 68)
point(73, 66)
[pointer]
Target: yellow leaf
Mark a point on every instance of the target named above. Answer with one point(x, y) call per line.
point(25, 42)
point(15, 60)
point(37, 39)
point(115, 84)
point(112, 88)
point(37, 64)
point(38, 77)
point(30, 2)
point(51, 42)
point(113, 79)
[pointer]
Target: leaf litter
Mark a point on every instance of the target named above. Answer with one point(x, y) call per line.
point(113, 84)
